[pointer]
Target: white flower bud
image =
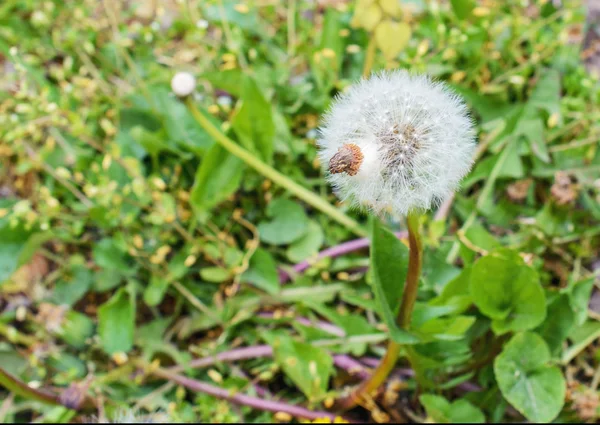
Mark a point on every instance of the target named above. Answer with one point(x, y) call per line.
point(183, 84)
point(397, 142)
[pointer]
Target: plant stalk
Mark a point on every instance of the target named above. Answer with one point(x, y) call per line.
point(274, 175)
point(387, 363)
point(370, 56)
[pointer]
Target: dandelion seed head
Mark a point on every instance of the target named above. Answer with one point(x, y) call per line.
point(183, 84)
point(413, 136)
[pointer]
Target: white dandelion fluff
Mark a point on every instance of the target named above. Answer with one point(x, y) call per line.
point(396, 142)
point(183, 84)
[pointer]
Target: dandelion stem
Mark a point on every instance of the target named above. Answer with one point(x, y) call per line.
point(370, 57)
point(409, 297)
point(270, 173)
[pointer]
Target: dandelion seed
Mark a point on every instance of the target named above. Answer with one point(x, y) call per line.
point(396, 142)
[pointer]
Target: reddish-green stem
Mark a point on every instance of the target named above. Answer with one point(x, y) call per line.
point(404, 317)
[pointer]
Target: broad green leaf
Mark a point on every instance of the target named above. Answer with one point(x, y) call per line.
point(436, 273)
point(253, 122)
point(389, 265)
point(508, 291)
point(559, 322)
point(218, 176)
point(308, 366)
point(456, 292)
point(462, 8)
point(307, 245)
point(442, 411)
point(527, 380)
point(262, 272)
point(72, 288)
point(288, 223)
point(108, 255)
point(116, 322)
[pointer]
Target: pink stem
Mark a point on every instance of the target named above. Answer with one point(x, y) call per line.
point(356, 244)
point(227, 356)
point(332, 252)
point(325, 326)
point(257, 403)
point(341, 360)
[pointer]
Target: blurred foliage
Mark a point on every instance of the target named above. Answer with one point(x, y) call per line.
point(127, 233)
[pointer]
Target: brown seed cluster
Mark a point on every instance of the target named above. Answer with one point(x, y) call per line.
point(347, 159)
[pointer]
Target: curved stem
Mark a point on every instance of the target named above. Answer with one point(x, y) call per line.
point(270, 173)
point(415, 264)
point(404, 317)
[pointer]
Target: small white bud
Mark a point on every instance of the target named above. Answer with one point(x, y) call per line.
point(183, 84)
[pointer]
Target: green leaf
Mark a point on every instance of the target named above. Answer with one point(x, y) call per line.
point(456, 292)
point(262, 272)
point(228, 80)
point(558, 324)
point(154, 142)
point(214, 274)
point(116, 322)
point(155, 291)
point(288, 223)
point(76, 329)
point(462, 8)
point(579, 298)
point(107, 254)
point(180, 126)
point(70, 290)
point(17, 246)
point(226, 11)
point(531, 126)
point(441, 410)
point(218, 176)
point(512, 167)
point(389, 264)
point(446, 329)
point(309, 367)
point(307, 245)
point(581, 337)
point(527, 380)
point(508, 291)
point(253, 123)
point(546, 94)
